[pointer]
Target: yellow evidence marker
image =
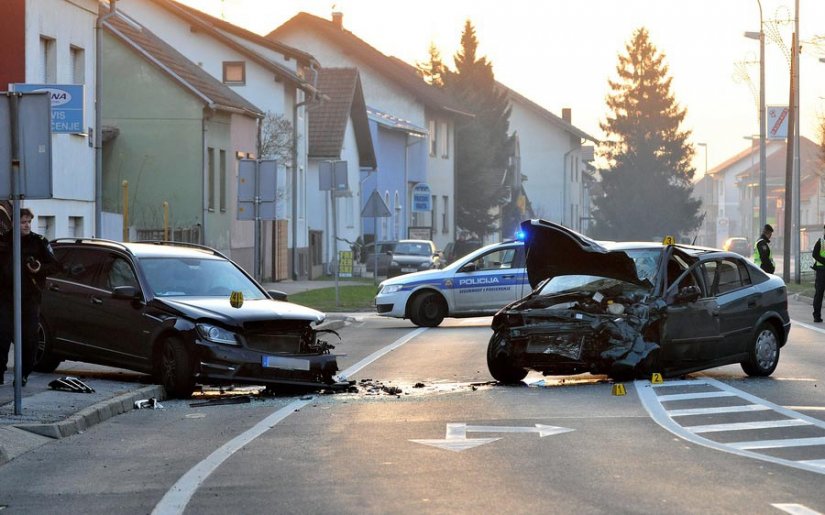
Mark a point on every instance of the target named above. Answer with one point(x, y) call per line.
point(236, 299)
point(618, 389)
point(656, 378)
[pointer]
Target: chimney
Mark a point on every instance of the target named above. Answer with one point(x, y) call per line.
point(338, 19)
point(567, 114)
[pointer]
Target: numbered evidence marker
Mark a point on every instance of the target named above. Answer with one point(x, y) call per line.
point(236, 299)
point(618, 389)
point(656, 378)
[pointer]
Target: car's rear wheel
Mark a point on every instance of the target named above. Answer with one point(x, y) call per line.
point(428, 310)
point(175, 370)
point(45, 361)
point(499, 361)
point(763, 355)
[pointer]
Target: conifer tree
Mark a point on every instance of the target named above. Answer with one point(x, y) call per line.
point(481, 144)
point(646, 189)
point(432, 71)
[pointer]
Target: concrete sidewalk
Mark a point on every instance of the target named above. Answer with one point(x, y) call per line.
point(293, 287)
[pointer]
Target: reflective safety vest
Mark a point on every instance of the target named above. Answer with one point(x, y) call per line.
point(756, 258)
point(817, 264)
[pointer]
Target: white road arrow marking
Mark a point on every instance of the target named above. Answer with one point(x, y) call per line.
point(456, 439)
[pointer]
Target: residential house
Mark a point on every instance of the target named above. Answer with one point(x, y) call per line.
point(393, 89)
point(730, 195)
point(555, 162)
point(339, 131)
point(173, 134)
point(53, 42)
point(276, 78)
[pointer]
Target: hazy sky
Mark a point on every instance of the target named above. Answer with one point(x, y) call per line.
point(561, 53)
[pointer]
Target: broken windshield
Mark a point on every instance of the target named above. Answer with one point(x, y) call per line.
point(647, 266)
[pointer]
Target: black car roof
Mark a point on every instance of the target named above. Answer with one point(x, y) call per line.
point(144, 249)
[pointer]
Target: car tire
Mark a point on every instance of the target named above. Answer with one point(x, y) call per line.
point(763, 354)
point(45, 361)
point(499, 361)
point(175, 371)
point(428, 310)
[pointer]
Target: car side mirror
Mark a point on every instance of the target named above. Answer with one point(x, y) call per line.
point(469, 267)
point(688, 294)
point(125, 292)
point(277, 295)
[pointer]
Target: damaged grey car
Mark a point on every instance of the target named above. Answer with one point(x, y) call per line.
point(631, 309)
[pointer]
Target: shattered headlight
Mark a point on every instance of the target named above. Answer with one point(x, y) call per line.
point(216, 334)
point(391, 288)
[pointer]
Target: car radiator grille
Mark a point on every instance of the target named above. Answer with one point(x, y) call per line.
point(275, 341)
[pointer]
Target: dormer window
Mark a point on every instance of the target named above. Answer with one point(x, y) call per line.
point(234, 72)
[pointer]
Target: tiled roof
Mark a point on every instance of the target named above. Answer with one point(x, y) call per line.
point(207, 24)
point(556, 120)
point(189, 75)
point(393, 69)
point(328, 121)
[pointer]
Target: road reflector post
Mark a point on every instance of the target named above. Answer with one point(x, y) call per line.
point(656, 378)
point(618, 389)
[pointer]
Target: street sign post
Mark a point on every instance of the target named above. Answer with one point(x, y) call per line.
point(375, 208)
point(257, 199)
point(333, 177)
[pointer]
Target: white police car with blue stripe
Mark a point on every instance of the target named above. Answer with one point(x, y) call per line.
point(477, 284)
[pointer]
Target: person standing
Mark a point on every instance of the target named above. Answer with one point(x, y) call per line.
point(762, 250)
point(37, 261)
point(819, 283)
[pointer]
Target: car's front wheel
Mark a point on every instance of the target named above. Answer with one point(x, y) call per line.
point(763, 355)
point(499, 361)
point(175, 370)
point(428, 310)
point(45, 361)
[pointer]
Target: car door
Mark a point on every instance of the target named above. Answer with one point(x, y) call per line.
point(66, 306)
point(691, 328)
point(121, 316)
point(737, 307)
point(490, 280)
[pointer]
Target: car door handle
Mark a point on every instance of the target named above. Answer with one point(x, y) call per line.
point(96, 300)
point(509, 276)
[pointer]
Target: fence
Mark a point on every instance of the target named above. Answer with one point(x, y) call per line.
point(181, 234)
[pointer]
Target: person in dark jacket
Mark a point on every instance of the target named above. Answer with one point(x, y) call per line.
point(762, 250)
point(37, 261)
point(819, 284)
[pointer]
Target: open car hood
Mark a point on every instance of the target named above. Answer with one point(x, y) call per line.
point(554, 250)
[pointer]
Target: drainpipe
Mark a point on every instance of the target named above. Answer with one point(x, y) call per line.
point(204, 174)
point(564, 185)
point(295, 173)
point(98, 118)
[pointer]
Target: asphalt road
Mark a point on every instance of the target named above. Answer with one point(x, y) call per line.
point(451, 441)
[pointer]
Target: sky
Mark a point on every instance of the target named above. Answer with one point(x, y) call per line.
point(561, 53)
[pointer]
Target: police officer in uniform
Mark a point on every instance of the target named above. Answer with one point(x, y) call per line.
point(37, 261)
point(762, 250)
point(819, 284)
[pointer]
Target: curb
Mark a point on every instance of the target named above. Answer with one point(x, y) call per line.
point(94, 414)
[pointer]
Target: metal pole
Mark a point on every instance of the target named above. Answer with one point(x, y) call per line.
point(125, 186)
point(334, 238)
point(165, 221)
point(763, 162)
point(98, 135)
point(796, 172)
point(14, 106)
point(256, 266)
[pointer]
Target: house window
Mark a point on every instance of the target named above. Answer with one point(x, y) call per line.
point(78, 57)
point(48, 60)
point(435, 213)
point(444, 140)
point(444, 219)
point(210, 178)
point(234, 72)
point(45, 226)
point(76, 226)
point(223, 181)
point(432, 136)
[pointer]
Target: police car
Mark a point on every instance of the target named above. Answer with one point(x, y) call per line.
point(477, 284)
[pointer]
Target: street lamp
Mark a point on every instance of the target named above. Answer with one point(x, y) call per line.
point(763, 170)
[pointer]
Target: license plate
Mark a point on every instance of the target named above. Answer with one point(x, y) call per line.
point(408, 269)
point(284, 363)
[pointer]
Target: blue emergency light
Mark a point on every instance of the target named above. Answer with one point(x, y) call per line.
point(521, 235)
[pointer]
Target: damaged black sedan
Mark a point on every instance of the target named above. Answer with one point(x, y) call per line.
point(631, 309)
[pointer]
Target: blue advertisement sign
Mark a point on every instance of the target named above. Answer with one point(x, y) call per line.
point(67, 105)
point(422, 201)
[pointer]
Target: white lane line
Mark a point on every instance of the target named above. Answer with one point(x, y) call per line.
point(679, 382)
point(818, 329)
point(176, 499)
point(779, 444)
point(721, 409)
point(817, 463)
point(745, 426)
point(659, 414)
point(795, 509)
point(697, 395)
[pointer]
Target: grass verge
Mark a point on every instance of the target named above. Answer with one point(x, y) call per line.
point(351, 298)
